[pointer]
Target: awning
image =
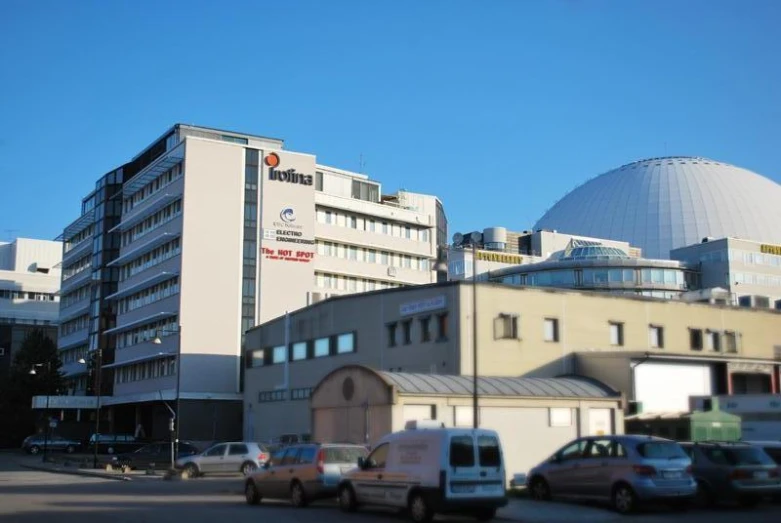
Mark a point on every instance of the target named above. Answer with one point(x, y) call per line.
point(157, 278)
point(74, 312)
point(78, 225)
point(149, 246)
point(140, 359)
point(153, 170)
point(142, 321)
point(79, 250)
point(76, 281)
point(149, 208)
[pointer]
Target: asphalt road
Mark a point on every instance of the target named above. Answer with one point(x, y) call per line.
point(28, 496)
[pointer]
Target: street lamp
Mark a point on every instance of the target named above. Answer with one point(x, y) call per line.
point(475, 237)
point(33, 372)
point(175, 418)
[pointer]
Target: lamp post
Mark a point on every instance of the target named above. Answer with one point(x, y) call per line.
point(175, 418)
point(33, 372)
point(475, 409)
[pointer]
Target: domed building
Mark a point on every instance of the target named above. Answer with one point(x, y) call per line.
point(660, 204)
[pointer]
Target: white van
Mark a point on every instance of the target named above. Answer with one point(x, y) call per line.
point(430, 469)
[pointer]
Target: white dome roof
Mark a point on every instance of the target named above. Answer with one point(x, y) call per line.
point(661, 204)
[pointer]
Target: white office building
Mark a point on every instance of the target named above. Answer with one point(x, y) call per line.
point(213, 232)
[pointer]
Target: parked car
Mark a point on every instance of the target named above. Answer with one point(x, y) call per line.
point(36, 443)
point(236, 456)
point(771, 448)
point(153, 455)
point(290, 439)
point(625, 470)
point(304, 473)
point(428, 469)
point(733, 471)
point(114, 443)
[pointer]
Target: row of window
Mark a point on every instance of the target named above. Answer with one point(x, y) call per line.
point(351, 252)
point(745, 257)
point(401, 332)
point(269, 396)
point(79, 237)
point(249, 267)
point(74, 325)
point(147, 333)
point(150, 259)
point(760, 302)
point(149, 295)
point(77, 295)
point(147, 370)
point(302, 350)
point(74, 355)
point(351, 221)
point(598, 276)
point(76, 267)
point(153, 187)
point(325, 280)
point(506, 326)
point(158, 219)
point(753, 278)
point(77, 383)
point(24, 295)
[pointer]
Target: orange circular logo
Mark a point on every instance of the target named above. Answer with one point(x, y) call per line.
point(271, 159)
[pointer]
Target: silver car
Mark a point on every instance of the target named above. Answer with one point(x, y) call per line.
point(235, 456)
point(625, 470)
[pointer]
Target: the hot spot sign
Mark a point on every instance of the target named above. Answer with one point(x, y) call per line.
point(288, 175)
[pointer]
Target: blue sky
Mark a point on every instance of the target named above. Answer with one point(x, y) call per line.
point(498, 107)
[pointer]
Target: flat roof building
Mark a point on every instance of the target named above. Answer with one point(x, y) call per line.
point(203, 235)
point(655, 351)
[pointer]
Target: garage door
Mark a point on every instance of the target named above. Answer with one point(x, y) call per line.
point(666, 387)
point(526, 434)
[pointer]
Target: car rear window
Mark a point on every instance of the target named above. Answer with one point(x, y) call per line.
point(462, 451)
point(488, 449)
point(774, 453)
point(344, 454)
point(746, 456)
point(660, 450)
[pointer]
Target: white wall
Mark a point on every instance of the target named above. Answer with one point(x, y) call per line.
point(666, 387)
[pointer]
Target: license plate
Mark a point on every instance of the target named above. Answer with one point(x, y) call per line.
point(491, 488)
point(761, 474)
point(671, 474)
point(462, 489)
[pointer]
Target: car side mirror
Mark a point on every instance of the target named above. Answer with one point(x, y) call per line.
point(362, 463)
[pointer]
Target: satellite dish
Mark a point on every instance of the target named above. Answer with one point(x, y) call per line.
point(476, 237)
point(458, 238)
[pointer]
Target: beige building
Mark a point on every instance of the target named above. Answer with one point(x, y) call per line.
point(360, 405)
point(206, 233)
point(668, 350)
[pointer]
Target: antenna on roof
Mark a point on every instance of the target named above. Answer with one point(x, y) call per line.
point(10, 234)
point(361, 163)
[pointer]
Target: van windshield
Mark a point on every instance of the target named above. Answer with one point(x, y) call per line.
point(462, 451)
point(488, 448)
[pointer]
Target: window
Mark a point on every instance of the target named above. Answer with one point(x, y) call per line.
point(384, 258)
point(617, 334)
point(598, 448)
point(377, 459)
point(574, 451)
point(714, 341)
point(385, 228)
point(661, 450)
point(656, 336)
point(407, 232)
point(216, 451)
point(442, 326)
point(462, 451)
point(322, 347)
point(730, 342)
point(267, 396)
point(291, 456)
point(318, 181)
point(299, 351)
point(488, 450)
point(695, 339)
point(425, 326)
point(345, 343)
point(352, 222)
point(279, 354)
point(506, 327)
point(329, 217)
point(307, 455)
point(391, 334)
point(406, 330)
point(551, 329)
point(237, 449)
point(371, 256)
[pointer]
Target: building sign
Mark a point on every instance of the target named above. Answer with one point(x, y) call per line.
point(288, 255)
point(65, 402)
point(416, 307)
point(500, 257)
point(289, 175)
point(770, 249)
point(749, 368)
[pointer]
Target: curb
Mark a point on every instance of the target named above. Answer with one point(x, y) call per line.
point(101, 475)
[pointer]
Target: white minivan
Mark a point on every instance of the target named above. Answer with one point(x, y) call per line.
point(429, 469)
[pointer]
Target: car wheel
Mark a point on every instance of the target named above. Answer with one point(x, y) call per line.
point(248, 468)
point(540, 491)
point(70, 449)
point(192, 470)
point(297, 495)
point(35, 449)
point(486, 514)
point(419, 510)
point(251, 493)
point(624, 499)
point(347, 499)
